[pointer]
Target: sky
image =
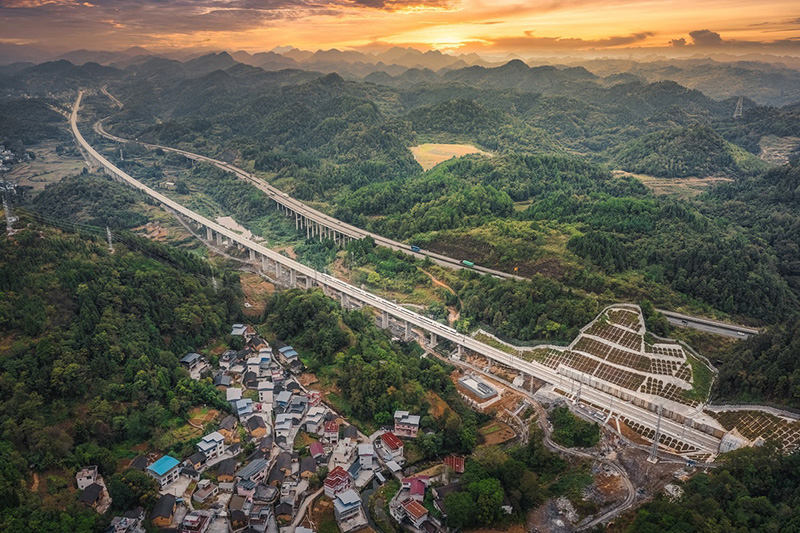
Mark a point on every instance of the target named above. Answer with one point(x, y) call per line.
point(526, 28)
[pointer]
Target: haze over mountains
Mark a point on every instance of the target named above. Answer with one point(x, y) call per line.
point(766, 80)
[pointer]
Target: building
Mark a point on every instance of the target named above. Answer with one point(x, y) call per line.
point(405, 424)
point(255, 470)
point(440, 493)
point(213, 445)
point(238, 330)
point(416, 487)
point(415, 512)
point(165, 470)
point(315, 420)
point(205, 491)
point(455, 463)
point(338, 480)
point(476, 388)
point(191, 360)
point(130, 522)
point(265, 391)
point(196, 461)
point(233, 394)
point(196, 522)
point(226, 470)
point(256, 427)
point(222, 381)
point(283, 399)
point(366, 454)
point(347, 504)
point(90, 496)
point(227, 427)
point(308, 467)
point(243, 408)
point(317, 451)
point(393, 447)
point(331, 432)
point(86, 476)
point(163, 511)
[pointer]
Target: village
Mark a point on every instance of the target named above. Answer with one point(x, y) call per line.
point(219, 489)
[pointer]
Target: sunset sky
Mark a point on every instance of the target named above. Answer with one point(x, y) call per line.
point(490, 26)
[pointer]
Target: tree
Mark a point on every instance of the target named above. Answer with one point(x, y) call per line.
point(460, 509)
point(488, 497)
point(131, 488)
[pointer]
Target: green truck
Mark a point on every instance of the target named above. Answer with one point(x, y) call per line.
point(469, 264)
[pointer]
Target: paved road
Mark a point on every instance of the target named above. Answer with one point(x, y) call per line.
point(700, 440)
point(710, 326)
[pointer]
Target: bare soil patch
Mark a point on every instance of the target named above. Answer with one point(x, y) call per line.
point(496, 432)
point(431, 154)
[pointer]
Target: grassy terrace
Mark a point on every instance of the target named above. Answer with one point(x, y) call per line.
point(702, 379)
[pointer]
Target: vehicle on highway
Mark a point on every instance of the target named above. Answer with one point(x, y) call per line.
point(415, 248)
point(469, 264)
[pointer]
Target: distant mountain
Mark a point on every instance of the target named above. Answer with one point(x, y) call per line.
point(15, 53)
point(80, 57)
point(695, 151)
point(209, 63)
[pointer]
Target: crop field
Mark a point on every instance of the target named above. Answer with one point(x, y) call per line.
point(429, 155)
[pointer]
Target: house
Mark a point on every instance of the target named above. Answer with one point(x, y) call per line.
point(284, 511)
point(440, 493)
point(91, 495)
point(393, 447)
point(227, 427)
point(191, 360)
point(277, 376)
point(296, 366)
point(255, 470)
point(196, 460)
point(205, 491)
point(343, 452)
point(213, 445)
point(317, 451)
point(260, 516)
point(415, 512)
point(243, 408)
point(298, 405)
point(265, 493)
point(331, 432)
point(238, 330)
point(256, 427)
point(288, 354)
point(308, 467)
point(283, 399)
point(347, 504)
point(265, 446)
point(163, 511)
point(337, 481)
point(284, 462)
point(196, 522)
point(86, 476)
point(314, 397)
point(265, 391)
point(239, 508)
point(350, 432)
point(130, 522)
point(405, 424)
point(366, 453)
point(315, 420)
point(250, 380)
point(354, 470)
point(227, 358)
point(222, 381)
point(225, 470)
point(233, 394)
point(165, 470)
point(455, 463)
point(416, 487)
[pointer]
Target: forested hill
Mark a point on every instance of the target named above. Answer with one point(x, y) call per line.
point(89, 349)
point(696, 151)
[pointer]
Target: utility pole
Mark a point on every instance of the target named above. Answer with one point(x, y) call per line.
point(654, 450)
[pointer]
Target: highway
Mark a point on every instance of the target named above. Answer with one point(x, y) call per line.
point(303, 210)
point(709, 326)
point(698, 439)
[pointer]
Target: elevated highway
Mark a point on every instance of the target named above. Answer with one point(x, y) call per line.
point(301, 275)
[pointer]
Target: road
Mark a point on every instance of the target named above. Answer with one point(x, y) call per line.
point(700, 440)
point(304, 210)
point(554, 446)
point(709, 326)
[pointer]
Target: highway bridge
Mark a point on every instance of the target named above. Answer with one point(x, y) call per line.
point(292, 273)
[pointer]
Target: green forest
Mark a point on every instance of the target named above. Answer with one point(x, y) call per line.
point(89, 364)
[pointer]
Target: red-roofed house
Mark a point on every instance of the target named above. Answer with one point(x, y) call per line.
point(415, 512)
point(316, 450)
point(338, 480)
point(393, 447)
point(416, 486)
point(455, 463)
point(331, 432)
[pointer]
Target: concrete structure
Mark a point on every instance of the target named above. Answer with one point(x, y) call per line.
point(165, 470)
point(477, 387)
point(406, 424)
point(338, 480)
point(366, 455)
point(86, 476)
point(392, 447)
point(346, 505)
point(212, 445)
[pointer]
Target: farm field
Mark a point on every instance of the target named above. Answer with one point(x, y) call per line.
point(429, 155)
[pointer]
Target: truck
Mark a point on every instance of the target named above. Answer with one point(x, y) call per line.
point(466, 263)
point(415, 248)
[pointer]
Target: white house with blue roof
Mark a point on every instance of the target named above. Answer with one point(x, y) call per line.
point(165, 470)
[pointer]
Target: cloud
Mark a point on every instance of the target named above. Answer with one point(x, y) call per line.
point(677, 43)
point(529, 42)
point(705, 38)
